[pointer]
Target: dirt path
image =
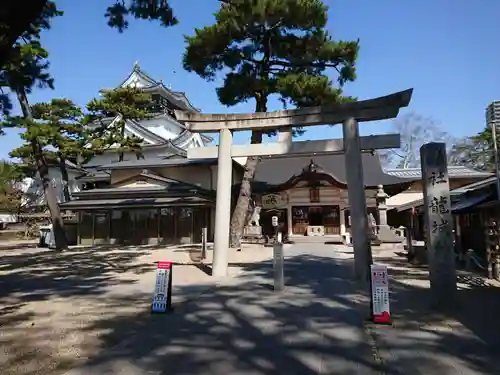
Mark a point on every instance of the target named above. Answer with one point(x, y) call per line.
point(53, 305)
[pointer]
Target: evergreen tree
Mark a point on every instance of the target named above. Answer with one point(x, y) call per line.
point(10, 187)
point(107, 118)
point(60, 134)
point(16, 17)
point(478, 151)
point(27, 67)
point(158, 10)
point(270, 47)
point(474, 152)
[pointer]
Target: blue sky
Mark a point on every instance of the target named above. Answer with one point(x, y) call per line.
point(445, 49)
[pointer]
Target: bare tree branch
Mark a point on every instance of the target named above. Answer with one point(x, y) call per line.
point(415, 130)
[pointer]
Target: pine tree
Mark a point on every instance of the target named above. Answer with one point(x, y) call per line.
point(25, 68)
point(477, 151)
point(107, 118)
point(60, 134)
point(158, 10)
point(16, 17)
point(270, 47)
point(474, 152)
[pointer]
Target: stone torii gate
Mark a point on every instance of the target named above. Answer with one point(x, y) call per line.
point(349, 114)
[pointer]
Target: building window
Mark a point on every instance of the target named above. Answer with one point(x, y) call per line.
point(314, 195)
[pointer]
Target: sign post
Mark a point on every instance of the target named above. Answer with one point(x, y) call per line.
point(204, 243)
point(380, 294)
point(162, 297)
point(279, 283)
point(439, 225)
point(274, 222)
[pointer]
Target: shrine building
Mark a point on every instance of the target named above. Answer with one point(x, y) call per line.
point(169, 200)
point(165, 198)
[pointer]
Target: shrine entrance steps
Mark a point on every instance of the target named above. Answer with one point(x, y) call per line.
point(333, 239)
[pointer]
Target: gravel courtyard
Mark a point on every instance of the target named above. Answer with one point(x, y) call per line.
point(52, 304)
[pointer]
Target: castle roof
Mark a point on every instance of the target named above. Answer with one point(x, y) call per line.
point(139, 78)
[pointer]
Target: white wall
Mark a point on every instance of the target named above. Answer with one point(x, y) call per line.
point(162, 126)
point(194, 141)
point(33, 187)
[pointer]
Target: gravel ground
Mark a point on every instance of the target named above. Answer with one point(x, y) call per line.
point(53, 305)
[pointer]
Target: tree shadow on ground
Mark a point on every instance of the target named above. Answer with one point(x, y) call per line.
point(314, 326)
point(43, 274)
point(47, 296)
point(425, 340)
point(243, 326)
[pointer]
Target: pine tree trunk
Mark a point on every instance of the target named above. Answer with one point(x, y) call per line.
point(65, 178)
point(49, 191)
point(238, 220)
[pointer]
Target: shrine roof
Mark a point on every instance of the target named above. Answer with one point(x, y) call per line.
point(79, 204)
point(156, 162)
point(277, 171)
point(454, 171)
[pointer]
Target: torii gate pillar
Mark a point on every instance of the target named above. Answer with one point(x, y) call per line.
point(223, 203)
point(349, 114)
point(357, 199)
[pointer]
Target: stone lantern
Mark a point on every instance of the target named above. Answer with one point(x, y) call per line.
point(385, 234)
point(381, 199)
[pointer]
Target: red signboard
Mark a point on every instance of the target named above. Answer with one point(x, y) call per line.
point(164, 265)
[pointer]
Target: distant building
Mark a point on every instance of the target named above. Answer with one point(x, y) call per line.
point(493, 113)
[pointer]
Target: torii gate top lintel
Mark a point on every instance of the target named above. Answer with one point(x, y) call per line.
point(384, 107)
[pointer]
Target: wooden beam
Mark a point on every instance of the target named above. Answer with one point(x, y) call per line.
point(283, 149)
point(385, 107)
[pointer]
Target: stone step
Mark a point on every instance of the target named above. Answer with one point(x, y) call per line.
point(316, 239)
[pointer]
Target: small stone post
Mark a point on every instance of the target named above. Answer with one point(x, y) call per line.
point(204, 234)
point(438, 219)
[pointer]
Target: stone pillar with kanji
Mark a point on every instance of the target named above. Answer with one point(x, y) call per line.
point(439, 225)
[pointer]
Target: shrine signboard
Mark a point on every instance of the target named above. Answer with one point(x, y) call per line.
point(381, 312)
point(439, 224)
point(273, 201)
point(162, 294)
